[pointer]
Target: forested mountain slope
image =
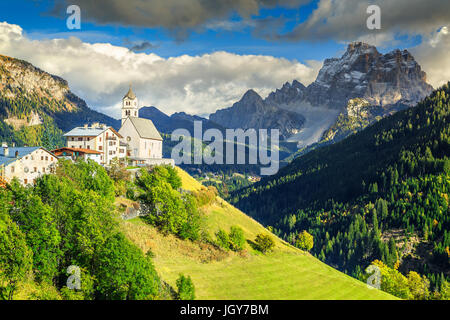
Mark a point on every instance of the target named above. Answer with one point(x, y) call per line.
point(379, 194)
point(37, 107)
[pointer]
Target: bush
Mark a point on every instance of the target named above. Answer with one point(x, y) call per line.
point(222, 239)
point(305, 241)
point(166, 208)
point(186, 289)
point(123, 272)
point(264, 243)
point(205, 196)
point(237, 238)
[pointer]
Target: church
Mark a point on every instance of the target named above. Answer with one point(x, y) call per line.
point(144, 143)
point(138, 141)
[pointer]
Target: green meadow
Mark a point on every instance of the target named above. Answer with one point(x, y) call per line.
point(284, 273)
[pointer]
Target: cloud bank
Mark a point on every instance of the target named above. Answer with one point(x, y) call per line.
point(100, 73)
point(346, 20)
point(433, 55)
point(177, 16)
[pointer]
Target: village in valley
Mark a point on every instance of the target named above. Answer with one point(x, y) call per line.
point(137, 143)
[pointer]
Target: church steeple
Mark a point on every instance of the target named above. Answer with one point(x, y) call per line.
point(130, 106)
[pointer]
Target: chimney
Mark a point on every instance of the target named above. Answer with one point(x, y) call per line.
point(16, 155)
point(5, 151)
point(86, 126)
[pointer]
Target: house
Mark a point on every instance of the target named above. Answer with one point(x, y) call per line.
point(144, 143)
point(25, 163)
point(97, 137)
point(77, 153)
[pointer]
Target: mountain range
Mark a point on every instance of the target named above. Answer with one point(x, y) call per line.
point(390, 81)
point(380, 194)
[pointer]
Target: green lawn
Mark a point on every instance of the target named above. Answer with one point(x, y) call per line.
point(285, 273)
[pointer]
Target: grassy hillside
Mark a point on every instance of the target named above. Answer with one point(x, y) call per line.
point(380, 194)
point(286, 273)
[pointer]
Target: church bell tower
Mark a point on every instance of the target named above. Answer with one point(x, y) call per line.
point(130, 106)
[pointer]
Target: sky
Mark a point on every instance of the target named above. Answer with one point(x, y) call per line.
point(197, 56)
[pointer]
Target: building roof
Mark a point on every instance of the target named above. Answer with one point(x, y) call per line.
point(89, 132)
point(80, 150)
point(21, 152)
point(130, 94)
point(145, 128)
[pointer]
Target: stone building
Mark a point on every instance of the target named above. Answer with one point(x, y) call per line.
point(25, 163)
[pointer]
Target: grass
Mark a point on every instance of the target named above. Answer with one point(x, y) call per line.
point(285, 273)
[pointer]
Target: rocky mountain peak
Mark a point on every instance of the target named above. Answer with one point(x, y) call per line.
point(251, 97)
point(363, 72)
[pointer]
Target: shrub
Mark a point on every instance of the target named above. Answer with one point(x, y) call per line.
point(186, 289)
point(123, 272)
point(237, 238)
point(205, 196)
point(222, 239)
point(264, 243)
point(305, 241)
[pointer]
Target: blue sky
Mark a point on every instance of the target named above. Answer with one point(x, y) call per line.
point(34, 18)
point(205, 54)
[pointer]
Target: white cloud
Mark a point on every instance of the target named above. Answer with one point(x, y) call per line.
point(345, 20)
point(433, 55)
point(100, 73)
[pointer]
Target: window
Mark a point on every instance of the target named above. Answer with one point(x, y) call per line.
point(89, 147)
point(46, 158)
point(42, 158)
point(80, 139)
point(35, 169)
point(25, 181)
point(100, 148)
point(100, 139)
point(12, 169)
point(43, 169)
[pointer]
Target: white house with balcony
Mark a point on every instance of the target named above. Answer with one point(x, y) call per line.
point(97, 137)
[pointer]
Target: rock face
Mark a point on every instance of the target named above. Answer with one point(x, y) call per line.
point(40, 94)
point(363, 72)
point(254, 112)
point(389, 82)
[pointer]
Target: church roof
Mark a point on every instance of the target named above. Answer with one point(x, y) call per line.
point(130, 94)
point(145, 128)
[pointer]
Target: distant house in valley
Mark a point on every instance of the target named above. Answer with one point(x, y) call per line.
point(25, 163)
point(97, 137)
point(77, 153)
